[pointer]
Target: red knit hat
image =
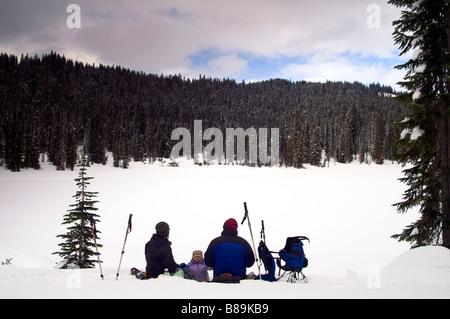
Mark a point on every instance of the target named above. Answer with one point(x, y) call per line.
point(230, 224)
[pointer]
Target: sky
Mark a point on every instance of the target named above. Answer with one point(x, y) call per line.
point(250, 40)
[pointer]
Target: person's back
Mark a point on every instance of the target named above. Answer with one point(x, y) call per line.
point(229, 253)
point(158, 253)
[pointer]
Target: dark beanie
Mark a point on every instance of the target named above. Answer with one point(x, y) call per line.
point(230, 224)
point(162, 229)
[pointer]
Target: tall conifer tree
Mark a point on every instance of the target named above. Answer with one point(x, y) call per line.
point(424, 28)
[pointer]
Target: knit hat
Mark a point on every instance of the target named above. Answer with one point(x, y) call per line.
point(197, 253)
point(230, 224)
point(162, 229)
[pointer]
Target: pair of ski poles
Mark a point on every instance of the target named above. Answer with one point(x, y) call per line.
point(94, 232)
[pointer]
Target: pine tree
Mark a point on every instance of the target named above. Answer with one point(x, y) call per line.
point(424, 142)
point(71, 150)
point(31, 146)
point(344, 145)
point(79, 239)
point(95, 143)
point(378, 139)
point(316, 147)
point(13, 142)
point(56, 152)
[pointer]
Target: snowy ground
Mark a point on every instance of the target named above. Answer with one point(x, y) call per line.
point(345, 210)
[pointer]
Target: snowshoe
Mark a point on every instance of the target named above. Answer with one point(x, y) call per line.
point(138, 274)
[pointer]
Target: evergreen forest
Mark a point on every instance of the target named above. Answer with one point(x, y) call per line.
point(51, 106)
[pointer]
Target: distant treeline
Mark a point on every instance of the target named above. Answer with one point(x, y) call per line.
point(53, 105)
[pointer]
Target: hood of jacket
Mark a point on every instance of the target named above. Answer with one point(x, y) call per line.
point(158, 240)
point(228, 232)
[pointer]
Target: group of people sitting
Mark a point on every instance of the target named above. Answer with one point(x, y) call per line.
point(227, 255)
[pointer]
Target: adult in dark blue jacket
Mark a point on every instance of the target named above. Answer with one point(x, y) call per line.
point(229, 253)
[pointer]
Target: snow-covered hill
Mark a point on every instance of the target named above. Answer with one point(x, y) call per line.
point(345, 210)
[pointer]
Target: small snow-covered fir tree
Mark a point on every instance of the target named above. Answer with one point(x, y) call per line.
point(76, 250)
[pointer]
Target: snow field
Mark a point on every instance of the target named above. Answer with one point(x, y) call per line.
point(345, 210)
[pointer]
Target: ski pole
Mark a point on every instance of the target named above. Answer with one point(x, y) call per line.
point(263, 232)
point(124, 242)
point(251, 235)
point(94, 232)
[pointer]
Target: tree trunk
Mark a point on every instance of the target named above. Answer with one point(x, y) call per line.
point(445, 173)
point(445, 152)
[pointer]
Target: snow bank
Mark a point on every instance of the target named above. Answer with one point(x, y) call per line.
point(425, 266)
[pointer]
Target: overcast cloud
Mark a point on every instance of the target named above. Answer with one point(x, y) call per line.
point(246, 39)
